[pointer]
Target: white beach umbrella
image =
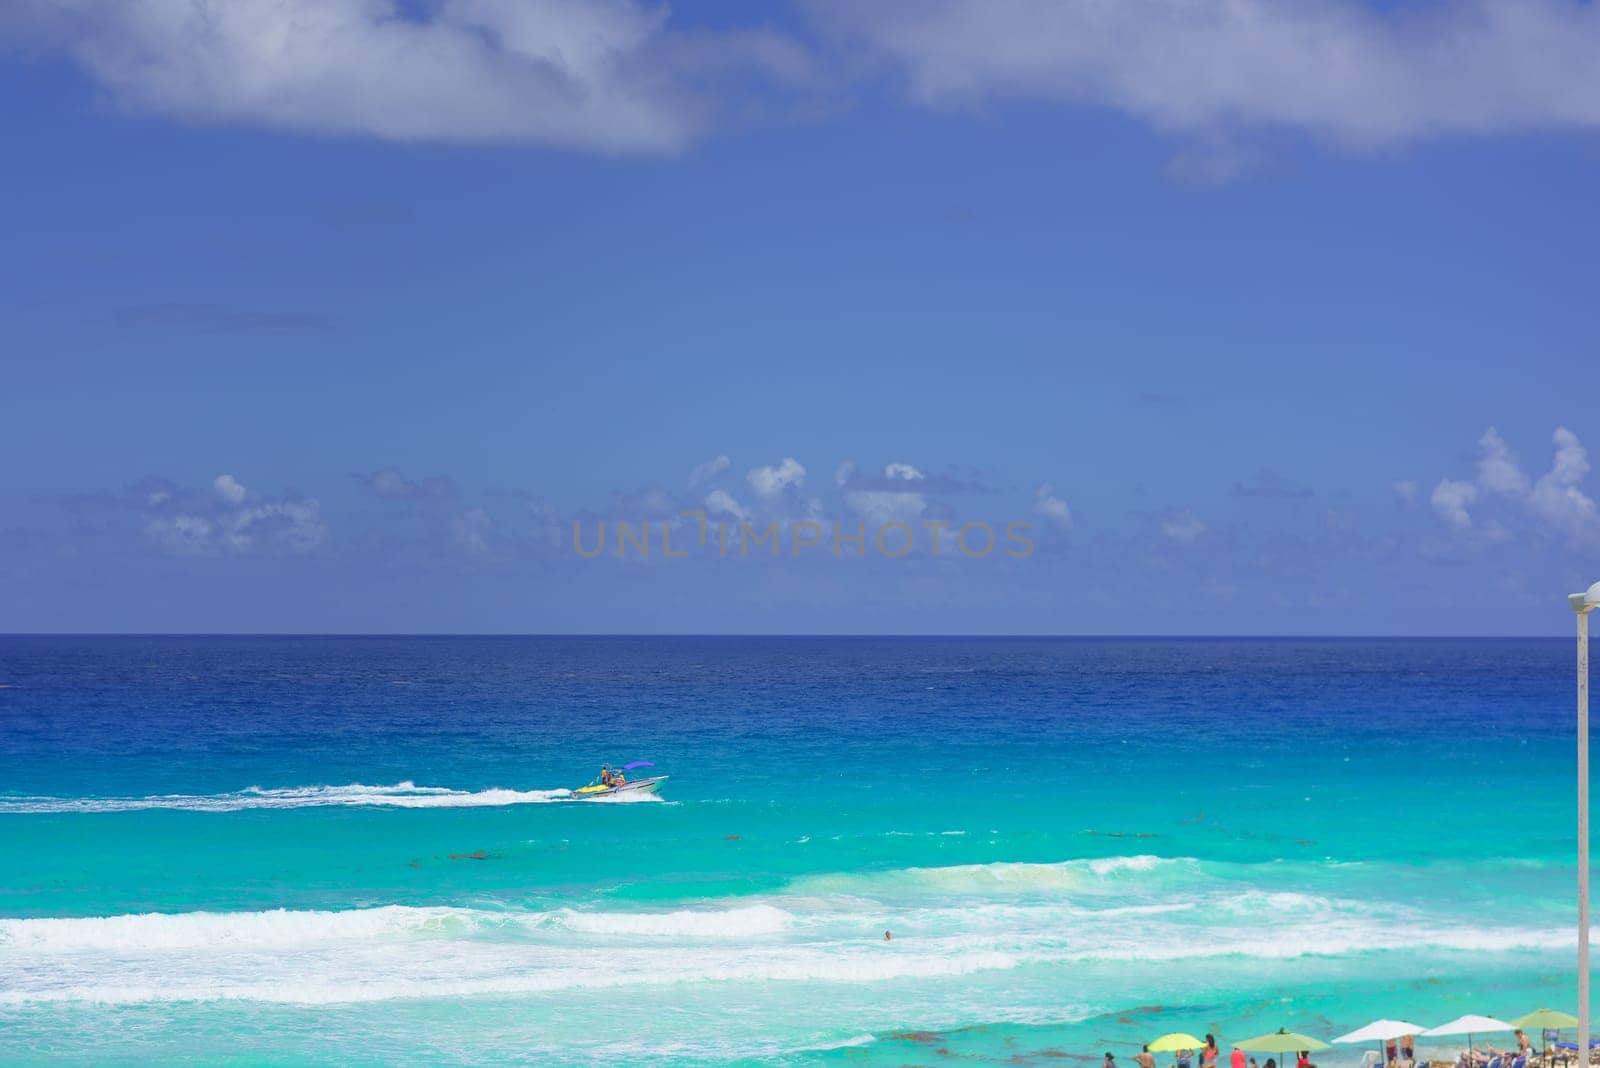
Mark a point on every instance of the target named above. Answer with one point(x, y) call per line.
point(1469, 1025)
point(1381, 1031)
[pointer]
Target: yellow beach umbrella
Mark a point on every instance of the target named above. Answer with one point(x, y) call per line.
point(1546, 1020)
point(1175, 1041)
point(1282, 1040)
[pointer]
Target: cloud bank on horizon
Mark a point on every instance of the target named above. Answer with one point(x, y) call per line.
point(622, 77)
point(424, 524)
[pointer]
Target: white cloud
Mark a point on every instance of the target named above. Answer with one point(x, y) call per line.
point(709, 470)
point(181, 535)
point(471, 532)
point(545, 530)
point(1405, 491)
point(295, 525)
point(721, 502)
point(228, 489)
point(844, 472)
point(1558, 496)
point(389, 484)
point(1184, 527)
point(191, 525)
point(1555, 503)
point(616, 76)
point(600, 75)
point(1047, 504)
point(1450, 499)
point(883, 506)
point(650, 501)
point(1497, 466)
point(771, 481)
point(904, 472)
point(1356, 72)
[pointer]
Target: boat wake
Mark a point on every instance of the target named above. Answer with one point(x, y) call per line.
point(398, 795)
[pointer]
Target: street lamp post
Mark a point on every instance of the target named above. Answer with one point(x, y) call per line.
point(1583, 604)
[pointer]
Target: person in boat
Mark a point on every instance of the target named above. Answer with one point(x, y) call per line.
point(618, 779)
point(606, 778)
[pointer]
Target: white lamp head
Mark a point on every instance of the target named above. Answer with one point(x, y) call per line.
point(1586, 601)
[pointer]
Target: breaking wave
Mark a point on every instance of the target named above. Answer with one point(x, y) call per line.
point(951, 921)
point(715, 923)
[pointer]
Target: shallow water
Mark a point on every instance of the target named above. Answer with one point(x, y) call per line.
point(359, 851)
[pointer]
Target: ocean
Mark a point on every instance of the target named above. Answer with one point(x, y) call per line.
point(362, 851)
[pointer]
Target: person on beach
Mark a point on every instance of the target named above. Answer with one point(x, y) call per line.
point(1408, 1048)
point(1144, 1058)
point(1524, 1045)
point(1208, 1056)
point(1305, 1060)
point(1186, 1058)
point(1109, 1062)
point(1236, 1058)
point(1271, 1063)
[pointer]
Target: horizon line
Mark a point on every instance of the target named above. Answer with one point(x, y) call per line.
point(780, 634)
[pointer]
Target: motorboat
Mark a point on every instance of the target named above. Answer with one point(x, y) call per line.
point(631, 786)
point(609, 786)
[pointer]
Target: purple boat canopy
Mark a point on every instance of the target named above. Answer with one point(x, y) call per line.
point(637, 764)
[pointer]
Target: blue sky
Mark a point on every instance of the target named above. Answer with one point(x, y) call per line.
point(1268, 318)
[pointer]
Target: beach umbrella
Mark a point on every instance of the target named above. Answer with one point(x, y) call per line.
point(1469, 1025)
point(1282, 1040)
point(1381, 1031)
point(1175, 1041)
point(1546, 1019)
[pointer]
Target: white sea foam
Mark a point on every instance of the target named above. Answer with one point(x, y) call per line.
point(272, 929)
point(744, 922)
point(1004, 877)
point(1050, 920)
point(396, 951)
point(843, 1043)
point(632, 797)
point(319, 988)
point(1111, 865)
point(399, 795)
point(370, 955)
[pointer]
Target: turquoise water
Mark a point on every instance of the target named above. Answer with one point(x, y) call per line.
point(362, 851)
